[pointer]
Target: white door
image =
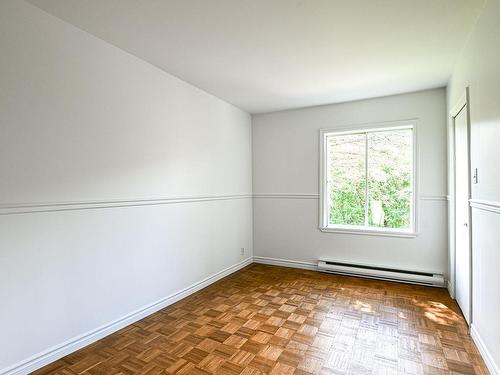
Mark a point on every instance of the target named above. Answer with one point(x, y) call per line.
point(462, 214)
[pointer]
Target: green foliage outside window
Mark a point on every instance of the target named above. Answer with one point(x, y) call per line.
point(348, 204)
point(393, 192)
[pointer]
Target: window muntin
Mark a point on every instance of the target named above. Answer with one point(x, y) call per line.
point(369, 179)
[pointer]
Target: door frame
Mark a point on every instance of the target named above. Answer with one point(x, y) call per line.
point(461, 103)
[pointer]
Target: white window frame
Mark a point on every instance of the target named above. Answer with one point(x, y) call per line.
point(324, 225)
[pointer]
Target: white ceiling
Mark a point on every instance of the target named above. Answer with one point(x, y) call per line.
point(268, 55)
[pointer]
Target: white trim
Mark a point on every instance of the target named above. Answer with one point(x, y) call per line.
point(286, 263)
point(444, 198)
point(22, 208)
point(487, 357)
point(451, 288)
point(463, 102)
point(367, 202)
point(369, 232)
point(364, 128)
point(323, 181)
point(34, 207)
point(367, 126)
point(483, 205)
point(48, 356)
point(28, 207)
point(287, 196)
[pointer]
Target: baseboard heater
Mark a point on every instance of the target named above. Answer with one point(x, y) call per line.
point(382, 273)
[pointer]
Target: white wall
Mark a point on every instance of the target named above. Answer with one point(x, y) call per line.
point(84, 122)
point(285, 162)
point(479, 68)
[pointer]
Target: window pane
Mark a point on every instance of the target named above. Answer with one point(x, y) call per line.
point(346, 171)
point(390, 169)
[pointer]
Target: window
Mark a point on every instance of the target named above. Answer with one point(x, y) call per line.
point(368, 180)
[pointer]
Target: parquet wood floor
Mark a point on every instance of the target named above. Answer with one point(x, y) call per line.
point(275, 320)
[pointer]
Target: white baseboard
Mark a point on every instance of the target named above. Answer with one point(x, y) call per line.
point(48, 356)
point(286, 263)
point(451, 288)
point(488, 358)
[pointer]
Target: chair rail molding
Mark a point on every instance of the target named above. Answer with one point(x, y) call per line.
point(485, 205)
point(23, 208)
point(34, 207)
point(287, 196)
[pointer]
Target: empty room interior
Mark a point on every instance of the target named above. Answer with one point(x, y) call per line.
point(249, 187)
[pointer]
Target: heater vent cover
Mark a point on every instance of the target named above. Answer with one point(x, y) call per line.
point(382, 273)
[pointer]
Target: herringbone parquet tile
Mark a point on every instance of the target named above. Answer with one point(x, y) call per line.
point(274, 320)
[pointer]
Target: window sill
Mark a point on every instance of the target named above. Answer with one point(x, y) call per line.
point(369, 232)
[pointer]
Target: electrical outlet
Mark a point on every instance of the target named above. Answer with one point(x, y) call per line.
point(242, 251)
